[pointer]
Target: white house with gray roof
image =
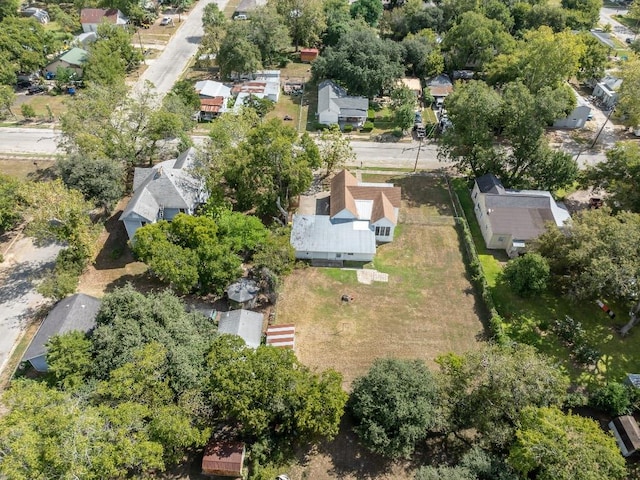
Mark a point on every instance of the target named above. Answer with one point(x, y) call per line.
point(361, 215)
point(163, 191)
point(335, 106)
point(75, 313)
point(243, 323)
point(511, 219)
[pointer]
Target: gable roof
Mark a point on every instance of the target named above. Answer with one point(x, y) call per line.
point(317, 233)
point(75, 313)
point(209, 88)
point(76, 56)
point(628, 431)
point(223, 456)
point(98, 15)
point(523, 217)
point(169, 184)
point(243, 323)
point(382, 208)
point(334, 98)
point(345, 191)
point(489, 183)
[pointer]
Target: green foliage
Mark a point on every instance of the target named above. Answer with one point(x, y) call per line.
point(596, 256)
point(25, 43)
point(305, 20)
point(364, 75)
point(185, 90)
point(237, 55)
point(574, 337)
point(27, 111)
point(444, 473)
point(271, 396)
point(7, 97)
point(628, 103)
point(369, 10)
point(421, 54)
point(10, 213)
point(69, 359)
point(613, 398)
point(487, 390)
point(243, 233)
point(188, 251)
point(111, 56)
point(262, 106)
point(593, 60)
point(335, 149)
point(276, 254)
point(9, 8)
point(98, 179)
point(404, 116)
point(394, 405)
point(348, 128)
point(527, 275)
point(58, 284)
point(268, 32)
point(367, 127)
point(128, 320)
point(582, 14)
point(564, 446)
point(619, 176)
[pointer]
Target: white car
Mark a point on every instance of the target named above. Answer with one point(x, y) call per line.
point(166, 21)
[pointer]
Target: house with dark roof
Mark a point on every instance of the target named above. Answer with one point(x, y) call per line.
point(361, 215)
point(335, 106)
point(223, 458)
point(511, 219)
point(73, 59)
point(90, 18)
point(75, 313)
point(243, 293)
point(39, 14)
point(439, 88)
point(625, 430)
point(163, 191)
point(243, 323)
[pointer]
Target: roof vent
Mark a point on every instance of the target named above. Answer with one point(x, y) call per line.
point(158, 173)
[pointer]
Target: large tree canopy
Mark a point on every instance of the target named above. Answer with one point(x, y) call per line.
point(271, 396)
point(25, 43)
point(488, 389)
point(559, 446)
point(394, 405)
point(363, 62)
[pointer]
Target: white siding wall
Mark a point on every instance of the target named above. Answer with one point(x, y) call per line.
point(327, 118)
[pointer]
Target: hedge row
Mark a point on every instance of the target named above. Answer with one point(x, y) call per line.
point(478, 278)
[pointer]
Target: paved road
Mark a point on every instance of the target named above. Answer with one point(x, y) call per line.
point(617, 29)
point(165, 70)
point(35, 141)
point(23, 264)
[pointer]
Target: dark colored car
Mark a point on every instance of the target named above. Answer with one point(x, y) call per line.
point(22, 84)
point(35, 89)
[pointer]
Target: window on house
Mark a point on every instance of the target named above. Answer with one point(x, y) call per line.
point(383, 231)
point(501, 239)
point(143, 223)
point(183, 210)
point(475, 195)
point(351, 254)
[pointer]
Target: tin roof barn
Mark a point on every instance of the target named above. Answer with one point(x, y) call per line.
point(283, 336)
point(243, 323)
point(223, 458)
point(75, 313)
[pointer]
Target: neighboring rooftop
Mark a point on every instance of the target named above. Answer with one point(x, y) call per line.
point(627, 434)
point(489, 183)
point(76, 56)
point(243, 290)
point(75, 313)
point(243, 323)
point(209, 88)
point(346, 192)
point(98, 15)
point(283, 336)
point(317, 233)
point(223, 457)
point(440, 86)
point(332, 97)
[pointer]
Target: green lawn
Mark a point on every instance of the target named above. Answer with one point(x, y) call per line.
point(527, 320)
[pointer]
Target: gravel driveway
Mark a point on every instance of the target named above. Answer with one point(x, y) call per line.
point(24, 263)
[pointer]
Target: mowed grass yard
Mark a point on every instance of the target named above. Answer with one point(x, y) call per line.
point(427, 308)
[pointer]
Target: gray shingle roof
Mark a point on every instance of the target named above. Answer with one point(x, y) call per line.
point(489, 183)
point(169, 184)
point(334, 98)
point(74, 313)
point(523, 217)
point(243, 290)
point(244, 323)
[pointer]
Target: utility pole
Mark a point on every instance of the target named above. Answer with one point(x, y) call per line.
point(603, 125)
point(415, 166)
point(141, 47)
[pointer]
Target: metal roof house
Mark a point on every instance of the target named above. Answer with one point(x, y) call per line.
point(90, 18)
point(243, 323)
point(607, 90)
point(163, 191)
point(335, 106)
point(510, 219)
point(627, 433)
point(243, 293)
point(360, 216)
point(223, 458)
point(75, 313)
point(73, 59)
point(213, 98)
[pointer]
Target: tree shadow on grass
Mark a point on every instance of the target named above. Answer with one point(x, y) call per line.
point(115, 252)
point(144, 283)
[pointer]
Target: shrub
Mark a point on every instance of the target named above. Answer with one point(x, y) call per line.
point(371, 115)
point(527, 275)
point(58, 285)
point(368, 126)
point(27, 111)
point(321, 126)
point(397, 132)
point(347, 128)
point(614, 398)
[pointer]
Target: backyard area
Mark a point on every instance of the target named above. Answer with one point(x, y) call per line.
point(426, 309)
point(528, 320)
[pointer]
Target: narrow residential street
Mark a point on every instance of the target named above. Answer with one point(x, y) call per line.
point(165, 70)
point(617, 29)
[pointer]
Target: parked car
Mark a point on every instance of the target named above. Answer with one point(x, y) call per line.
point(417, 119)
point(629, 40)
point(240, 16)
point(166, 21)
point(35, 89)
point(22, 84)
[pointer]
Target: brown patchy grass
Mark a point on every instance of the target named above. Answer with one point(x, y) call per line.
point(425, 310)
point(25, 168)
